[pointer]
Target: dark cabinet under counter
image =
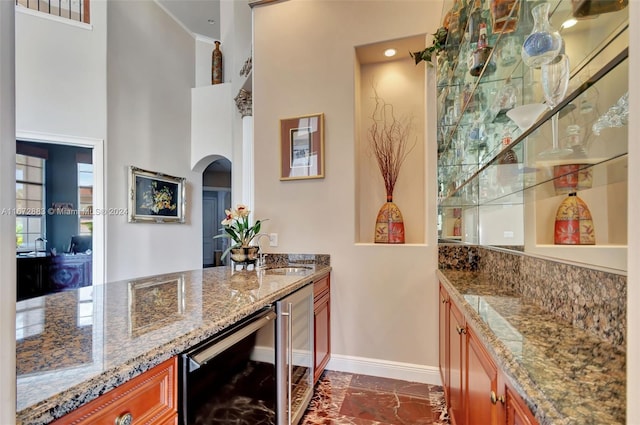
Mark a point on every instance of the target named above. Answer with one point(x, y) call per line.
point(41, 275)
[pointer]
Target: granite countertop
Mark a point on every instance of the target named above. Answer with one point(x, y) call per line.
point(73, 346)
point(564, 374)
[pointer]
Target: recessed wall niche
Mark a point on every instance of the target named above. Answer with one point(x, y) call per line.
point(400, 83)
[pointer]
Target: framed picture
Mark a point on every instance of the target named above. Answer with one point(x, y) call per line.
point(151, 299)
point(156, 197)
point(302, 147)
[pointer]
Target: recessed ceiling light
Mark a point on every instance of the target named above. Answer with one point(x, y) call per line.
point(390, 52)
point(569, 23)
point(211, 21)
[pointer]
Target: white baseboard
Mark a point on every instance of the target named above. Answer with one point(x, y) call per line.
point(385, 369)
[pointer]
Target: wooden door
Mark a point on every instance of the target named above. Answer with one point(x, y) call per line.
point(457, 348)
point(516, 410)
point(443, 344)
point(482, 384)
point(321, 325)
point(210, 226)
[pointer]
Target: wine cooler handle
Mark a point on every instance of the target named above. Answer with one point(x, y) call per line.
point(290, 362)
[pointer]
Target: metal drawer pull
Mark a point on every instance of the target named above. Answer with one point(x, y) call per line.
point(461, 330)
point(495, 399)
point(124, 419)
point(444, 301)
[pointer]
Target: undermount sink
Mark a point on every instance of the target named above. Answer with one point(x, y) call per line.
point(289, 270)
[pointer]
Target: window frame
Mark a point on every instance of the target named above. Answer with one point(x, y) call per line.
point(28, 211)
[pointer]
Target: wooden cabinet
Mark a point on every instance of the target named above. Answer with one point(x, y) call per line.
point(457, 363)
point(150, 398)
point(476, 392)
point(321, 325)
point(443, 346)
point(515, 410)
point(482, 384)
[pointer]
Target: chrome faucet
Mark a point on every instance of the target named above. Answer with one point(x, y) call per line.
point(261, 254)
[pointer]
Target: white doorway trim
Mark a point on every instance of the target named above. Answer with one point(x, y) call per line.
point(99, 222)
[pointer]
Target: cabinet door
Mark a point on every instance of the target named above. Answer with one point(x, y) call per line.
point(517, 412)
point(482, 384)
point(457, 348)
point(443, 344)
point(322, 340)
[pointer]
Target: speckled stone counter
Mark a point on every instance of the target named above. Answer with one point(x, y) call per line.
point(74, 346)
point(565, 374)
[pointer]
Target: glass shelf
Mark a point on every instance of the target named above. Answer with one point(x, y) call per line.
point(465, 100)
point(490, 172)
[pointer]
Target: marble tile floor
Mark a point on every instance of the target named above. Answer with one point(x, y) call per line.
point(352, 399)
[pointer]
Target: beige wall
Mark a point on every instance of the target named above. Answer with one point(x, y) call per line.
point(397, 82)
point(384, 298)
point(633, 286)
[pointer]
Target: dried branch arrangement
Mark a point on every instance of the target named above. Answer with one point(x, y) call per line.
point(389, 136)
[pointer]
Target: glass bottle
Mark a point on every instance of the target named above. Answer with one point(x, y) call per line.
point(477, 131)
point(509, 50)
point(544, 43)
point(481, 54)
point(507, 98)
point(507, 174)
point(573, 141)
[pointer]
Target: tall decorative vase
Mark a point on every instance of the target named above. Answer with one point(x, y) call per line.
point(389, 224)
point(574, 225)
point(216, 65)
point(544, 43)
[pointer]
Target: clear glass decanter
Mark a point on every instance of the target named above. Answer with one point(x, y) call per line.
point(544, 43)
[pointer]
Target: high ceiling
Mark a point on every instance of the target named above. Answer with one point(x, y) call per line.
point(196, 15)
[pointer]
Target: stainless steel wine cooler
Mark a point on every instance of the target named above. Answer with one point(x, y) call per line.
point(259, 371)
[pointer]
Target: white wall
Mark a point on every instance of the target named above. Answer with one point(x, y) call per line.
point(150, 73)
point(384, 298)
point(7, 221)
point(61, 75)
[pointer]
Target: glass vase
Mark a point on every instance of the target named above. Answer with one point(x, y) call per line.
point(544, 43)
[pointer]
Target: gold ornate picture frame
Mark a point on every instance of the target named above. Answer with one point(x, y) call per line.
point(156, 197)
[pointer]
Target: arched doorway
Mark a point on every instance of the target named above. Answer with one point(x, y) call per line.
point(216, 197)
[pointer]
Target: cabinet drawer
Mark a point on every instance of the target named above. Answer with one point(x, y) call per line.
point(321, 286)
point(150, 398)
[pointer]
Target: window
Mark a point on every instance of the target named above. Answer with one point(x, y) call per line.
point(76, 10)
point(85, 198)
point(29, 201)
